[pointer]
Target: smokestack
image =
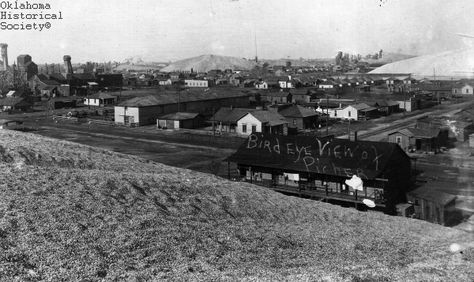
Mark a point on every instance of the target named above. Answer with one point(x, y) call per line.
point(67, 64)
point(4, 54)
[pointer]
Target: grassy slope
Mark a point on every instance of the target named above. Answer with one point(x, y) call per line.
point(69, 211)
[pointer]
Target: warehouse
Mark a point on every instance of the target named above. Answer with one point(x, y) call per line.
point(146, 110)
point(319, 167)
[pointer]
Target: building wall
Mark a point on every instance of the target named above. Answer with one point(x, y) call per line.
point(348, 112)
point(196, 83)
point(249, 120)
point(467, 90)
point(92, 102)
point(404, 140)
point(120, 112)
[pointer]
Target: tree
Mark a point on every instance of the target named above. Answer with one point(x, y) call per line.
point(288, 64)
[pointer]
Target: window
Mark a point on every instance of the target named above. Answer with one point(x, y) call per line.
point(254, 128)
point(244, 128)
point(398, 139)
point(349, 113)
point(467, 90)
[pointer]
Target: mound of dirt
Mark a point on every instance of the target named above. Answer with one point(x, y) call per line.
point(73, 212)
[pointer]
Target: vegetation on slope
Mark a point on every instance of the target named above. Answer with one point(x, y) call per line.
point(72, 212)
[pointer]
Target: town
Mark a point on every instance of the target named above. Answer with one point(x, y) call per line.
point(236, 140)
point(192, 102)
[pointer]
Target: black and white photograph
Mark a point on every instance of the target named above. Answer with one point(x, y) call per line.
point(237, 140)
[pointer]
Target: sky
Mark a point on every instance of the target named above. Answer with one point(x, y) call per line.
point(169, 30)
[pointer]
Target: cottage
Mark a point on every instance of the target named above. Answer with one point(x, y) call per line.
point(100, 99)
point(300, 117)
point(319, 167)
point(261, 85)
point(387, 107)
point(225, 119)
point(262, 121)
point(357, 112)
point(463, 89)
point(411, 139)
point(180, 120)
point(433, 206)
point(15, 103)
point(279, 97)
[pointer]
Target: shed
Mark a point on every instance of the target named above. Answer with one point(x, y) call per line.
point(433, 206)
point(9, 124)
point(180, 120)
point(426, 140)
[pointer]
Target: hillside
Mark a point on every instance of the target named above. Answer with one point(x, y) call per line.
point(444, 65)
point(73, 212)
point(205, 63)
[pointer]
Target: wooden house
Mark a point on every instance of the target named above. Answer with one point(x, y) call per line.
point(432, 205)
point(262, 121)
point(416, 139)
point(180, 120)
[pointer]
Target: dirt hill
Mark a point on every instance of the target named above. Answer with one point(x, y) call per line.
point(444, 65)
point(205, 63)
point(73, 212)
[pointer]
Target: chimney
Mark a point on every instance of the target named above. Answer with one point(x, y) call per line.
point(4, 53)
point(67, 64)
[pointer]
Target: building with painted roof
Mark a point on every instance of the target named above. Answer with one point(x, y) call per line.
point(319, 167)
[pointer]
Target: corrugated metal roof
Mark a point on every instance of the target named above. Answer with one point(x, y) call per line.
point(297, 111)
point(180, 116)
point(230, 115)
point(184, 96)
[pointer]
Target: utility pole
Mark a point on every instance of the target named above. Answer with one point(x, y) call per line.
point(327, 115)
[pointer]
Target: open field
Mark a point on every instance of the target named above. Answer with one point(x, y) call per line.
point(74, 212)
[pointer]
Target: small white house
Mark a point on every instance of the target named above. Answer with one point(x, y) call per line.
point(356, 112)
point(262, 121)
point(165, 82)
point(100, 99)
point(465, 89)
point(261, 85)
point(286, 83)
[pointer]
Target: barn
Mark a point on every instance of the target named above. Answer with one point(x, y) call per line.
point(319, 167)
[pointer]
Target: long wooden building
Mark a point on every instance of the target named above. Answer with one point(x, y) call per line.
point(318, 168)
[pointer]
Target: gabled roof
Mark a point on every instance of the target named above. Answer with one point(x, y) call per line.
point(13, 101)
point(184, 96)
point(385, 103)
point(230, 115)
point(297, 111)
point(360, 106)
point(432, 195)
point(338, 157)
point(269, 117)
point(419, 133)
point(101, 95)
point(180, 116)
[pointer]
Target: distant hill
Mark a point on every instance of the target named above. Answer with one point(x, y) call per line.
point(206, 63)
point(71, 212)
point(444, 65)
point(138, 64)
